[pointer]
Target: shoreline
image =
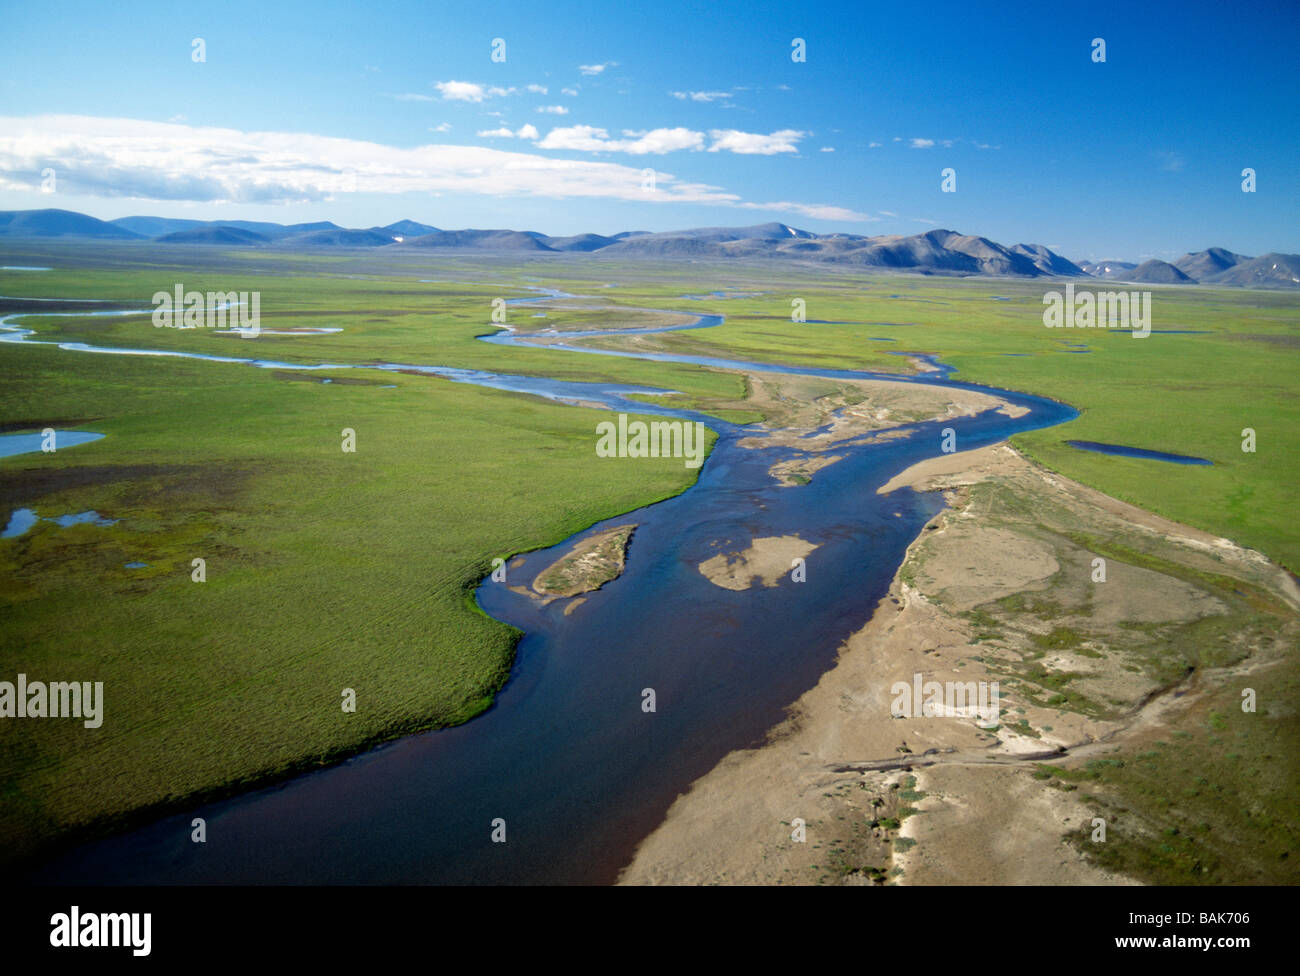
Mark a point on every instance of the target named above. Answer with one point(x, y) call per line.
point(126, 821)
point(977, 812)
point(908, 827)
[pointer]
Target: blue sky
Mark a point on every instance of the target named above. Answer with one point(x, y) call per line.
point(363, 115)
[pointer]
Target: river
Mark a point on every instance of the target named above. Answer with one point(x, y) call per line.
point(566, 756)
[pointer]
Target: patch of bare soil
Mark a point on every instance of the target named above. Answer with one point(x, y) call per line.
point(766, 561)
point(591, 564)
point(997, 589)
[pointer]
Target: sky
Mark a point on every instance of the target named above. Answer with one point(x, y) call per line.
point(604, 117)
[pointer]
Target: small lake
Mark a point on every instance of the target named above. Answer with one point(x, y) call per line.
point(13, 444)
point(1137, 452)
point(23, 519)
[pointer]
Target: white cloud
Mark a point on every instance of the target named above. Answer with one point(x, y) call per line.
point(828, 149)
point(930, 143)
point(524, 132)
point(586, 138)
point(568, 91)
point(461, 91)
point(755, 144)
point(410, 97)
point(469, 91)
point(159, 161)
point(874, 145)
point(145, 160)
point(700, 96)
point(818, 211)
point(595, 69)
point(1171, 162)
point(889, 213)
point(666, 140)
point(553, 109)
point(441, 127)
point(537, 89)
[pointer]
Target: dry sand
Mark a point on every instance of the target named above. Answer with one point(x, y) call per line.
point(766, 561)
point(841, 763)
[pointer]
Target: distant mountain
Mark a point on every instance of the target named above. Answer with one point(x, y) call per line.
point(406, 228)
point(1155, 272)
point(336, 237)
point(276, 231)
point(218, 235)
point(1205, 264)
point(157, 226)
point(1046, 261)
point(759, 232)
point(579, 242)
point(1267, 271)
point(935, 252)
point(479, 240)
point(942, 250)
point(659, 246)
point(1106, 269)
point(60, 223)
point(1213, 266)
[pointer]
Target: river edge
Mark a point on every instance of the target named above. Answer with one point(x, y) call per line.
point(828, 417)
point(828, 797)
point(244, 786)
point(124, 822)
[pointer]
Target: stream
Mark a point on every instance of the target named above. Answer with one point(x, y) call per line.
point(567, 756)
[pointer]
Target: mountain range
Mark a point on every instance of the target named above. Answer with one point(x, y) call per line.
point(933, 252)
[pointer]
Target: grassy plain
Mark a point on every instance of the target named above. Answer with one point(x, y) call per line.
point(328, 570)
point(1183, 393)
point(325, 570)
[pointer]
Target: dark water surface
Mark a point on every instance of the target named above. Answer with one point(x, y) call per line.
point(1136, 452)
point(567, 756)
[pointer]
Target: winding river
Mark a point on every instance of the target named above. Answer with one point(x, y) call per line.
point(566, 756)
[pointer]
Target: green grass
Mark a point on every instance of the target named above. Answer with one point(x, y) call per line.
point(325, 570)
point(1186, 394)
point(329, 570)
point(1215, 807)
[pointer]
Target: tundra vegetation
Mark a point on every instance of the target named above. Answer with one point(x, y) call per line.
point(330, 570)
